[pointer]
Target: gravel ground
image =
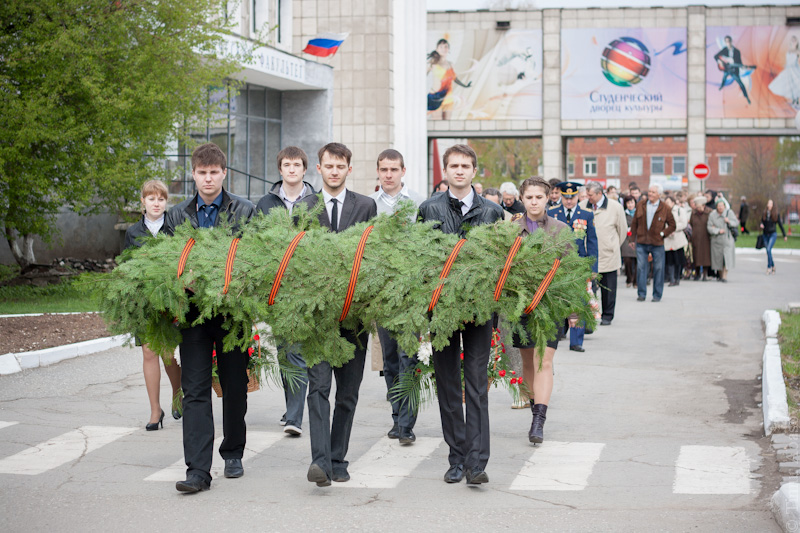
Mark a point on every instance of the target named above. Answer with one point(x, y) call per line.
point(25, 333)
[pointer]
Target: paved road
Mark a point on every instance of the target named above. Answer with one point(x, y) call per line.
point(655, 427)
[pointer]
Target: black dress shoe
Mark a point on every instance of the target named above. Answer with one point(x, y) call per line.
point(340, 475)
point(605, 322)
point(394, 433)
point(454, 474)
point(476, 476)
point(233, 468)
point(192, 484)
point(576, 348)
point(317, 475)
point(640, 298)
point(407, 436)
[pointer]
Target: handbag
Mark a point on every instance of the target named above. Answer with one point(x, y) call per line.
point(688, 231)
point(760, 242)
point(734, 229)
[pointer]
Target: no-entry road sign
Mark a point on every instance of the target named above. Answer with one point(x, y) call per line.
point(701, 171)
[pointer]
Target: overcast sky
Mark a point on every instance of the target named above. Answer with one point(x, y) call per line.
point(467, 5)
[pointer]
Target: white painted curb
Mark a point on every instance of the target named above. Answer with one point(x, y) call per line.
point(775, 251)
point(772, 321)
point(49, 356)
point(786, 507)
point(773, 391)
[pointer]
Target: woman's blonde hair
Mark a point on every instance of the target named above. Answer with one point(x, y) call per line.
point(155, 187)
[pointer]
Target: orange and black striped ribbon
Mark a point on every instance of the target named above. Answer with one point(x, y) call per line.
point(184, 256)
point(351, 288)
point(445, 271)
point(276, 283)
point(229, 264)
point(504, 274)
point(537, 297)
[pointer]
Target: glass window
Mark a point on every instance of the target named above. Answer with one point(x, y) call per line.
point(679, 138)
point(570, 166)
point(657, 139)
point(679, 164)
point(257, 105)
point(273, 147)
point(725, 165)
point(260, 14)
point(636, 139)
point(612, 165)
point(589, 139)
point(724, 138)
point(657, 164)
point(590, 166)
point(635, 165)
point(273, 104)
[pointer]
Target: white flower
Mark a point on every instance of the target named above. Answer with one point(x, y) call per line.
point(425, 353)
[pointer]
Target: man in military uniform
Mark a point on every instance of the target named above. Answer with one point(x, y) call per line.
point(570, 213)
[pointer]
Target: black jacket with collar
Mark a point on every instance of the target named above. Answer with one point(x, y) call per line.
point(356, 208)
point(449, 217)
point(137, 231)
point(272, 198)
point(238, 211)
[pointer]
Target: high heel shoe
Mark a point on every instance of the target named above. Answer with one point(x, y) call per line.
point(177, 405)
point(154, 425)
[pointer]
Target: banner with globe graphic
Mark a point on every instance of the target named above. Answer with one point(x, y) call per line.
point(484, 74)
point(752, 71)
point(623, 73)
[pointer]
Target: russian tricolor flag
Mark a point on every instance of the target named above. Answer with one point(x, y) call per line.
point(325, 44)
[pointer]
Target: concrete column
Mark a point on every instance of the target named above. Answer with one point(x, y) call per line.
point(696, 102)
point(552, 146)
point(408, 88)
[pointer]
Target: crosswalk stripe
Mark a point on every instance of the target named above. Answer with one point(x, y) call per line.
point(559, 466)
point(61, 449)
point(257, 442)
point(388, 463)
point(7, 424)
point(712, 470)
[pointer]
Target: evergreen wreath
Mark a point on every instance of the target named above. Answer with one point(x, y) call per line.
point(399, 272)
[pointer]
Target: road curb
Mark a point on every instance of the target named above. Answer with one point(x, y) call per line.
point(778, 251)
point(773, 389)
point(786, 507)
point(49, 356)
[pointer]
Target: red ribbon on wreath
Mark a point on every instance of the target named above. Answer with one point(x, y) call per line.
point(351, 288)
point(537, 297)
point(445, 271)
point(276, 283)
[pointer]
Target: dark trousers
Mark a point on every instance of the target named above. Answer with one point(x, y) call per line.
point(630, 270)
point(329, 442)
point(608, 294)
point(198, 418)
point(468, 440)
point(675, 261)
point(396, 363)
point(295, 399)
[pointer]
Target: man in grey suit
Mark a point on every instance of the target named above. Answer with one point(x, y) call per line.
point(396, 362)
point(329, 442)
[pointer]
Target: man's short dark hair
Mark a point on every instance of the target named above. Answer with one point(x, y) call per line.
point(554, 182)
point(337, 150)
point(491, 191)
point(209, 155)
point(462, 149)
point(633, 187)
point(292, 152)
point(534, 182)
point(391, 155)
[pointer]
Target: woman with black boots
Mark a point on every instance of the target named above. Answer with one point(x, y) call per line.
point(537, 369)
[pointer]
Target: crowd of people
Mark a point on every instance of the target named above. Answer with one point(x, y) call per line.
point(646, 237)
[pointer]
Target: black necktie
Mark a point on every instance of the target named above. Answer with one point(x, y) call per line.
point(569, 216)
point(457, 204)
point(335, 215)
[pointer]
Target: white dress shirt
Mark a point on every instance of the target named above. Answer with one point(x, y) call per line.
point(290, 203)
point(467, 201)
point(329, 205)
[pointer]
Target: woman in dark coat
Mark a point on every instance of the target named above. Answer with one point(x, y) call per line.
point(154, 205)
point(627, 251)
point(770, 221)
point(701, 242)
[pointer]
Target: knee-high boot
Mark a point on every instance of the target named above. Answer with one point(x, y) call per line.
point(536, 434)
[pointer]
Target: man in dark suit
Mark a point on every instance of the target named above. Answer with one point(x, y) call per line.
point(204, 210)
point(570, 213)
point(730, 59)
point(455, 211)
point(329, 442)
point(292, 166)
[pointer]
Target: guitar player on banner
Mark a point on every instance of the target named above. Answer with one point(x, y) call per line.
point(729, 60)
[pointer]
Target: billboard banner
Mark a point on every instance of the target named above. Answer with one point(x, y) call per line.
point(484, 75)
point(624, 73)
point(752, 72)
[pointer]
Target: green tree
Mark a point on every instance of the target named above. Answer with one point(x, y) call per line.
point(759, 174)
point(504, 159)
point(91, 92)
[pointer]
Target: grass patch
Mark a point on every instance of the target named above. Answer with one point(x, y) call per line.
point(749, 241)
point(76, 295)
point(789, 337)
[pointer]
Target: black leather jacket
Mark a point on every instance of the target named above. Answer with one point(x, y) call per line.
point(137, 231)
point(441, 208)
point(238, 211)
point(271, 199)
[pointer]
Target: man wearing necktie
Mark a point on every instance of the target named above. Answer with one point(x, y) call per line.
point(577, 219)
point(454, 212)
point(204, 210)
point(329, 442)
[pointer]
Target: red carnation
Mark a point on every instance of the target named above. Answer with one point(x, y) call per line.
point(513, 381)
point(502, 373)
point(213, 353)
point(462, 356)
point(250, 351)
point(256, 337)
point(419, 371)
point(497, 358)
point(513, 372)
point(492, 343)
